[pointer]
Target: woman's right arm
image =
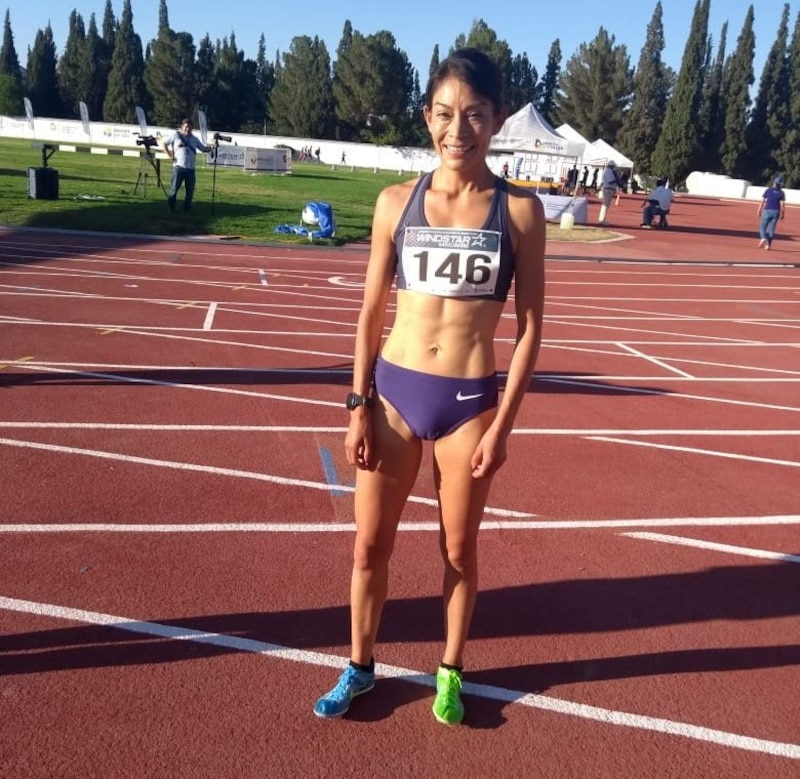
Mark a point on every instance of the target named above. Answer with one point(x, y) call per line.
point(369, 332)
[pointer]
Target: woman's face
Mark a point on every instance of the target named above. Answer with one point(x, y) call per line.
point(461, 124)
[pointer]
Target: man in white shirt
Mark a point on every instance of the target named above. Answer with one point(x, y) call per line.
point(658, 203)
point(182, 147)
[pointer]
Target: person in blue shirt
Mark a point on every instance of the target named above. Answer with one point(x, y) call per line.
point(182, 147)
point(771, 208)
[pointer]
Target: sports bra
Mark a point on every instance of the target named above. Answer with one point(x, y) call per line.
point(455, 261)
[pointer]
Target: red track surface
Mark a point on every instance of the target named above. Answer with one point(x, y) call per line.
point(176, 520)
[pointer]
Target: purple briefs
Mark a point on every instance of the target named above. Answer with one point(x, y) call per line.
point(433, 406)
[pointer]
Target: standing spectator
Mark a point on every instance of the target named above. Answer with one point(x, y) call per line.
point(770, 209)
point(593, 185)
point(584, 179)
point(344, 158)
point(505, 170)
point(610, 184)
point(182, 147)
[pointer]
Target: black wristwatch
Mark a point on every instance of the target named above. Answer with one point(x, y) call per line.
point(354, 400)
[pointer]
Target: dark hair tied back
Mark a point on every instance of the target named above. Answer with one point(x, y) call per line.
point(472, 67)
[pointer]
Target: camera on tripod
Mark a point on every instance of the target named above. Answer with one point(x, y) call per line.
point(223, 138)
point(148, 141)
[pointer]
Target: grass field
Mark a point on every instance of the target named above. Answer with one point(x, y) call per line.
point(106, 193)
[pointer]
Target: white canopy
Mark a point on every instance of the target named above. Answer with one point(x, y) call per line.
point(599, 152)
point(528, 131)
point(571, 134)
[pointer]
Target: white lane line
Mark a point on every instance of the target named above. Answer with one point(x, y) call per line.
point(262, 277)
point(693, 450)
point(654, 360)
point(209, 320)
point(668, 394)
point(529, 431)
point(713, 546)
point(216, 471)
point(349, 527)
point(491, 692)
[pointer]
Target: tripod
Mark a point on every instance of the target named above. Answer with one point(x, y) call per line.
point(214, 177)
point(148, 161)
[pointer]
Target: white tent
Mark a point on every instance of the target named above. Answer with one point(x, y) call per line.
point(571, 134)
point(528, 131)
point(599, 152)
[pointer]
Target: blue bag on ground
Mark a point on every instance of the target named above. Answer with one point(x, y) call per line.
point(317, 214)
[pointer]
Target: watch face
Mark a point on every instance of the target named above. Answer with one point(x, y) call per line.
point(354, 400)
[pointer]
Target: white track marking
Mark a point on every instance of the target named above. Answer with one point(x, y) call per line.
point(491, 692)
point(217, 471)
point(715, 547)
point(693, 450)
point(654, 360)
point(209, 320)
point(411, 527)
point(673, 395)
point(178, 385)
point(529, 431)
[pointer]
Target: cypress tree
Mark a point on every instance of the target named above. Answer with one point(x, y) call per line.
point(9, 61)
point(523, 90)
point(678, 145)
point(595, 88)
point(169, 72)
point(642, 124)
point(41, 81)
point(204, 75)
point(93, 71)
point(301, 103)
point(712, 111)
point(549, 84)
point(789, 155)
point(769, 120)
point(72, 87)
point(739, 79)
point(125, 83)
point(434, 64)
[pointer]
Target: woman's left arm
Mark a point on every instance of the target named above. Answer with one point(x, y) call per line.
point(528, 220)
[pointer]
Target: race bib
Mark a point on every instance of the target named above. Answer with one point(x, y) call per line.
point(450, 261)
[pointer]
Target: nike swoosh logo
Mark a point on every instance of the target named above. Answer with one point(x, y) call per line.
point(460, 396)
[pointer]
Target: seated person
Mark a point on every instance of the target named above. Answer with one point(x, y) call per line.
point(658, 203)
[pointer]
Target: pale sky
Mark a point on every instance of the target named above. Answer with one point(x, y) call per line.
point(528, 27)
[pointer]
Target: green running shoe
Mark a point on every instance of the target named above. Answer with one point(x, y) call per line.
point(448, 707)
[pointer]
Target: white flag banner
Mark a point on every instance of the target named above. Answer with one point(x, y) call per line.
point(28, 111)
point(85, 117)
point(201, 118)
point(142, 119)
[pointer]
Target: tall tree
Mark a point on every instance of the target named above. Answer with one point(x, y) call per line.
point(524, 86)
point(9, 61)
point(169, 72)
point(204, 74)
point(73, 90)
point(264, 81)
point(712, 110)
point(651, 85)
point(301, 103)
point(126, 88)
point(789, 155)
point(678, 146)
point(41, 80)
point(94, 72)
point(372, 90)
point(769, 120)
point(484, 38)
point(10, 73)
point(549, 84)
point(738, 80)
point(232, 86)
point(595, 88)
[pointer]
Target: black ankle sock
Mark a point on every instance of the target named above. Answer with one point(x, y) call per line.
point(369, 669)
point(447, 667)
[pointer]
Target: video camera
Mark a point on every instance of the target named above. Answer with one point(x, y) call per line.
point(148, 141)
point(223, 138)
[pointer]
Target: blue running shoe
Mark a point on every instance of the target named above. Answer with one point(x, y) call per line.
point(351, 683)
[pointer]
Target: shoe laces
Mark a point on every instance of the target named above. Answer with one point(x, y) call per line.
point(344, 686)
point(451, 687)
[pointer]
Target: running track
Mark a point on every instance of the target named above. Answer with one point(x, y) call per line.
point(176, 522)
